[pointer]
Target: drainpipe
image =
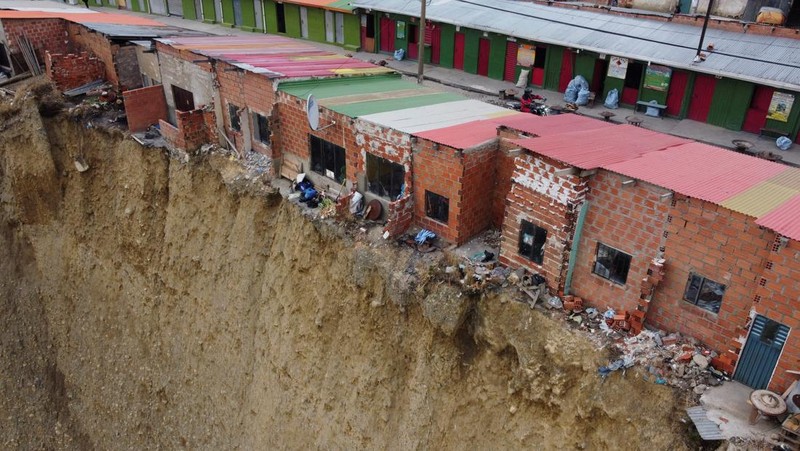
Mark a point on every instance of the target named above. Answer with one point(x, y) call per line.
point(576, 239)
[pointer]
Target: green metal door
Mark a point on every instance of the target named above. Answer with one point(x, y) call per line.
point(761, 352)
point(553, 67)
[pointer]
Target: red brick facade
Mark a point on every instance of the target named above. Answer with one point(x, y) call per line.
point(251, 93)
point(98, 45)
point(145, 107)
point(44, 34)
point(72, 70)
point(191, 131)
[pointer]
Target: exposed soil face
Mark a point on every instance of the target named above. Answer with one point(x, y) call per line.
point(146, 303)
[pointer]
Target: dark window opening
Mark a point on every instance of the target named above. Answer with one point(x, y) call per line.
point(437, 207)
point(633, 76)
point(541, 57)
point(327, 159)
point(4, 61)
point(184, 100)
point(233, 113)
point(370, 26)
point(704, 293)
point(261, 128)
point(280, 15)
point(612, 264)
point(413, 34)
point(385, 178)
point(531, 241)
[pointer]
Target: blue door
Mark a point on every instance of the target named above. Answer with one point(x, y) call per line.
point(761, 352)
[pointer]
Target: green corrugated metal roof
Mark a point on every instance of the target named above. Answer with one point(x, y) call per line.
point(341, 4)
point(359, 96)
point(381, 106)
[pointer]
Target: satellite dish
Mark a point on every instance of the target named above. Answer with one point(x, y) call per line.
point(312, 112)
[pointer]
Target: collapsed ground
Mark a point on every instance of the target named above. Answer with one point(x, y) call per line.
point(155, 301)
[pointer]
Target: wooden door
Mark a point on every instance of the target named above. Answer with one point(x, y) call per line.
point(458, 52)
point(387, 35)
point(511, 62)
point(677, 91)
point(484, 47)
point(702, 94)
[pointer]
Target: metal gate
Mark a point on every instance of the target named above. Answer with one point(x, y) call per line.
point(175, 7)
point(511, 61)
point(158, 7)
point(761, 352)
point(237, 12)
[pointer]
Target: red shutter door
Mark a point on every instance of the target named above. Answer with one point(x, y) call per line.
point(702, 94)
point(387, 35)
point(458, 53)
point(756, 116)
point(436, 43)
point(511, 61)
point(484, 47)
point(566, 70)
point(677, 89)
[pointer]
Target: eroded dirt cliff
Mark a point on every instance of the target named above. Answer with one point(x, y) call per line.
point(146, 303)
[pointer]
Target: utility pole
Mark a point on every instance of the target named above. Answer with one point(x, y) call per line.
point(703, 33)
point(421, 43)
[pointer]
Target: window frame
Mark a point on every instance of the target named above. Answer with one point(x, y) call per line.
point(537, 233)
point(258, 134)
point(430, 196)
point(183, 99)
point(234, 120)
point(710, 306)
point(613, 253)
point(395, 170)
point(339, 158)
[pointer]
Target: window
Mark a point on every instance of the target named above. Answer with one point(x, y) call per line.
point(633, 76)
point(184, 100)
point(384, 178)
point(261, 128)
point(704, 293)
point(327, 158)
point(233, 115)
point(280, 15)
point(436, 207)
point(612, 264)
point(531, 241)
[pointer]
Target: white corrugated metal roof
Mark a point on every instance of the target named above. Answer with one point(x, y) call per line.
point(760, 59)
point(420, 119)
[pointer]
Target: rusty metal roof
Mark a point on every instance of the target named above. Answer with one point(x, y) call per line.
point(767, 191)
point(274, 56)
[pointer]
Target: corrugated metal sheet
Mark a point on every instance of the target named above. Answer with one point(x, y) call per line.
point(589, 149)
point(417, 120)
point(122, 31)
point(83, 17)
point(471, 134)
point(274, 56)
point(337, 5)
point(784, 219)
point(757, 58)
point(760, 199)
point(707, 429)
point(554, 125)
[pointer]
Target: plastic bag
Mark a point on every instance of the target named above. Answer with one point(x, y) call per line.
point(783, 143)
point(612, 99)
point(583, 97)
point(575, 85)
point(399, 54)
point(522, 81)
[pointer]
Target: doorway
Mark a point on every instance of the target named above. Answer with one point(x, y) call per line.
point(387, 35)
point(761, 352)
point(280, 17)
point(702, 94)
point(677, 91)
point(413, 41)
point(511, 61)
point(484, 47)
point(756, 116)
point(599, 76)
point(458, 52)
point(368, 32)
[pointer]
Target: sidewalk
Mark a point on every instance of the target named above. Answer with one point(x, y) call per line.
point(484, 88)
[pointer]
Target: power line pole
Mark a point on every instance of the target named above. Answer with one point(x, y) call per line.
point(703, 33)
point(421, 43)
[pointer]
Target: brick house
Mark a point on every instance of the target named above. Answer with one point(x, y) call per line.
point(593, 211)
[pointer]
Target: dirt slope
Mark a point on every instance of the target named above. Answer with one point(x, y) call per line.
point(147, 304)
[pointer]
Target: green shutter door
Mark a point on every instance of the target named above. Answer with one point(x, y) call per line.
point(584, 65)
point(730, 102)
point(553, 67)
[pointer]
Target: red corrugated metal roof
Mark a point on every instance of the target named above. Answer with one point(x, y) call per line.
point(699, 170)
point(554, 125)
point(785, 219)
point(110, 18)
point(274, 56)
point(591, 149)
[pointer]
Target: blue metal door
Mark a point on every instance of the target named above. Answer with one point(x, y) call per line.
point(761, 352)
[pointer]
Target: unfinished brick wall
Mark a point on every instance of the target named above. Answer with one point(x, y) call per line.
point(145, 107)
point(721, 245)
point(72, 70)
point(438, 169)
point(252, 93)
point(190, 132)
point(127, 67)
point(777, 300)
point(504, 171)
point(98, 45)
point(44, 34)
point(546, 200)
point(477, 191)
point(627, 218)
